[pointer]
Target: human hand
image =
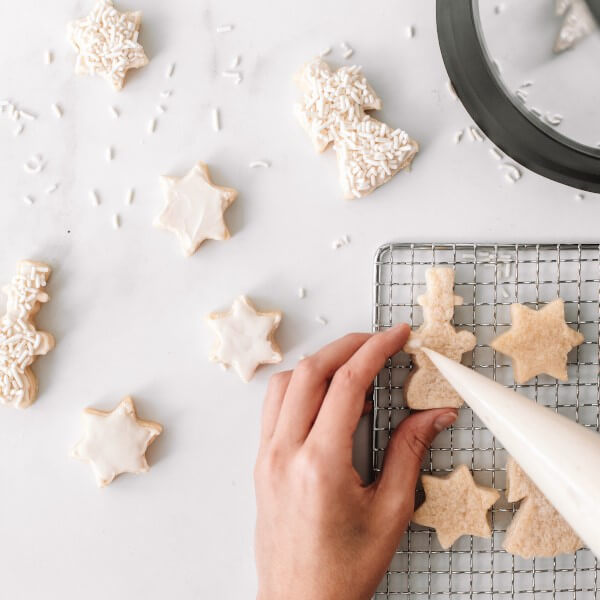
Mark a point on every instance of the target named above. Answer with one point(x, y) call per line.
point(321, 534)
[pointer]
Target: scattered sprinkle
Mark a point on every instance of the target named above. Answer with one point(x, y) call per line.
point(325, 51)
point(348, 51)
point(116, 221)
point(505, 294)
point(521, 95)
point(554, 120)
point(52, 188)
point(343, 241)
point(110, 154)
point(161, 108)
point(170, 70)
point(496, 153)
point(129, 196)
point(475, 134)
point(497, 65)
point(536, 111)
point(410, 31)
point(216, 119)
point(513, 173)
point(166, 93)
point(236, 61)
point(235, 75)
point(34, 164)
point(19, 129)
point(27, 115)
point(301, 293)
point(458, 136)
point(526, 84)
point(48, 57)
point(57, 110)
point(93, 194)
point(321, 320)
point(507, 269)
point(114, 112)
point(224, 28)
point(259, 163)
point(451, 90)
point(579, 197)
point(28, 199)
point(152, 126)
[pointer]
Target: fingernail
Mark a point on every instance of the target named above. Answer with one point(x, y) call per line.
point(444, 421)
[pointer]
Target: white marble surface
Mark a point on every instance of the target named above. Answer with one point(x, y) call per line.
point(127, 308)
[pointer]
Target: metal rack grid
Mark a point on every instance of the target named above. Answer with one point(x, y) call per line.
point(489, 277)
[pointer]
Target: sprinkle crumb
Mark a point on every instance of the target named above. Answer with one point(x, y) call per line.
point(216, 119)
point(260, 163)
point(321, 320)
point(94, 197)
point(224, 28)
point(52, 188)
point(48, 57)
point(58, 111)
point(110, 153)
point(152, 126)
point(170, 70)
point(301, 293)
point(410, 31)
point(325, 51)
point(116, 221)
point(579, 197)
point(129, 196)
point(28, 199)
point(114, 112)
point(458, 136)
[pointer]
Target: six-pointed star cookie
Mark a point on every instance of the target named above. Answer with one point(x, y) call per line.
point(455, 505)
point(115, 442)
point(538, 341)
point(106, 43)
point(194, 208)
point(245, 338)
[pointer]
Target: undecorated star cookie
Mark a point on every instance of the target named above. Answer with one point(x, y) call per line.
point(537, 529)
point(455, 505)
point(578, 22)
point(426, 387)
point(245, 338)
point(194, 208)
point(20, 341)
point(106, 42)
point(369, 152)
point(538, 341)
point(116, 441)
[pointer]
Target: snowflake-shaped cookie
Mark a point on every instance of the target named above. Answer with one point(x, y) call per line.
point(107, 43)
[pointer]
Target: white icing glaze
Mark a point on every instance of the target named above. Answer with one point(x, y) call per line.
point(115, 442)
point(20, 342)
point(106, 43)
point(194, 208)
point(244, 338)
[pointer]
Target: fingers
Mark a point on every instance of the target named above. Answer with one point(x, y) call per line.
point(278, 385)
point(343, 404)
point(308, 385)
point(404, 455)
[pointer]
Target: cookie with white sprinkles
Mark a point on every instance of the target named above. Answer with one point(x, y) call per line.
point(106, 42)
point(332, 111)
point(20, 341)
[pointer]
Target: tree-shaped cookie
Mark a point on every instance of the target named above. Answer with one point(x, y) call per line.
point(369, 152)
point(20, 341)
point(537, 529)
point(426, 387)
point(455, 505)
point(538, 341)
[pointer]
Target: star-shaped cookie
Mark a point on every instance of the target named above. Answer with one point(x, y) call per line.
point(245, 338)
point(538, 341)
point(578, 23)
point(194, 208)
point(537, 529)
point(106, 42)
point(115, 442)
point(455, 505)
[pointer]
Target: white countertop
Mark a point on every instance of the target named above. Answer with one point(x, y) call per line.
point(127, 309)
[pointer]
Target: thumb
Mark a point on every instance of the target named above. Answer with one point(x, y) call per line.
point(404, 455)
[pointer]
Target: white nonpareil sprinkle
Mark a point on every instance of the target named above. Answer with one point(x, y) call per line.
point(152, 126)
point(27, 115)
point(554, 120)
point(116, 221)
point(93, 194)
point(475, 134)
point(325, 51)
point(410, 31)
point(110, 153)
point(48, 57)
point(513, 173)
point(496, 153)
point(34, 164)
point(114, 112)
point(52, 188)
point(579, 197)
point(458, 136)
point(321, 320)
point(28, 199)
point(170, 70)
point(451, 90)
point(236, 61)
point(259, 163)
point(235, 75)
point(536, 111)
point(347, 50)
point(216, 119)
point(57, 110)
point(224, 28)
point(301, 293)
point(129, 196)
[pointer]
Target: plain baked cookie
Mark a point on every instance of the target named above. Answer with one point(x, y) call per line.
point(425, 387)
point(537, 529)
point(538, 341)
point(245, 338)
point(455, 505)
point(116, 441)
point(20, 341)
point(369, 152)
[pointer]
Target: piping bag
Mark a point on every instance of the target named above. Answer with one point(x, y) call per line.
point(560, 456)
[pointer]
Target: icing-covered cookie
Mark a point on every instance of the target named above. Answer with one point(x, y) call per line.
point(194, 208)
point(115, 442)
point(245, 338)
point(106, 42)
point(369, 152)
point(20, 341)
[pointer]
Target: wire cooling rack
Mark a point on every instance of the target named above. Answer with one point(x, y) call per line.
point(489, 278)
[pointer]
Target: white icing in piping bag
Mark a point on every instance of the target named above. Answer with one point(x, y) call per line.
point(560, 456)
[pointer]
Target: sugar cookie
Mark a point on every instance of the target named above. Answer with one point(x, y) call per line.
point(537, 529)
point(106, 42)
point(20, 341)
point(455, 505)
point(369, 152)
point(245, 338)
point(426, 387)
point(538, 341)
point(194, 208)
point(116, 441)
